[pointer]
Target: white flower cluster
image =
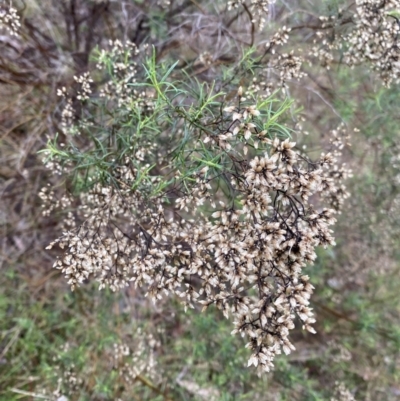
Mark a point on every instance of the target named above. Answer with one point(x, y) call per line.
point(9, 20)
point(85, 81)
point(118, 90)
point(289, 67)
point(139, 360)
point(68, 111)
point(372, 38)
point(278, 39)
point(376, 38)
point(334, 191)
point(164, 3)
point(48, 196)
point(247, 259)
point(258, 7)
point(324, 47)
point(342, 393)
point(121, 88)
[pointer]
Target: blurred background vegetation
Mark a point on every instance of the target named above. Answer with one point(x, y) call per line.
point(56, 341)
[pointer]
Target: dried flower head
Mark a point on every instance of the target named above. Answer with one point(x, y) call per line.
point(9, 19)
point(227, 227)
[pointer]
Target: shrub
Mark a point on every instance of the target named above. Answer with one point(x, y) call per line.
point(201, 150)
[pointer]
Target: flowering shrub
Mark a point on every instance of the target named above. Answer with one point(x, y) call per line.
point(194, 157)
point(9, 19)
point(195, 195)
